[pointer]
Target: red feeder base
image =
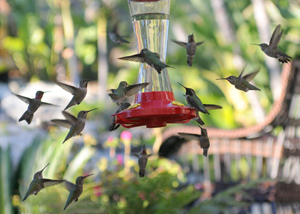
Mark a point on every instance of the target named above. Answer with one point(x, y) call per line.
point(154, 109)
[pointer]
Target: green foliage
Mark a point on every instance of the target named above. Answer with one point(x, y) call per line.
point(227, 199)
point(64, 163)
point(5, 181)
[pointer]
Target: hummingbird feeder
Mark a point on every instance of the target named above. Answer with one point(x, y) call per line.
point(155, 105)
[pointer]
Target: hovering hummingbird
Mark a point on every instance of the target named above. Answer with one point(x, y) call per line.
point(38, 183)
point(79, 93)
point(76, 125)
point(272, 49)
point(203, 139)
point(75, 189)
point(124, 90)
point(191, 47)
point(33, 105)
point(114, 125)
point(142, 160)
point(146, 56)
point(116, 37)
point(194, 102)
point(242, 82)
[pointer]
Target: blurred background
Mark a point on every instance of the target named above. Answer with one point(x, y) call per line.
point(66, 40)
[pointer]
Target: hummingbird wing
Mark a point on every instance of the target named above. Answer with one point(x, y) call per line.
point(250, 76)
point(68, 88)
point(199, 43)
point(24, 99)
point(69, 186)
point(63, 123)
point(122, 40)
point(136, 155)
point(114, 97)
point(72, 119)
point(182, 44)
point(49, 182)
point(212, 107)
point(47, 104)
point(133, 89)
point(241, 74)
point(275, 37)
point(190, 136)
point(134, 58)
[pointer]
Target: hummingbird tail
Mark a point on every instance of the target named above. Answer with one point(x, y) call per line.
point(25, 197)
point(157, 68)
point(27, 116)
point(200, 121)
point(142, 173)
point(190, 61)
point(66, 206)
point(283, 58)
point(205, 152)
point(69, 105)
point(114, 126)
point(67, 138)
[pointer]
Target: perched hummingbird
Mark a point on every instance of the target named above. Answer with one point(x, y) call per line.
point(194, 102)
point(272, 49)
point(191, 47)
point(79, 93)
point(124, 90)
point(146, 56)
point(242, 82)
point(75, 189)
point(203, 139)
point(76, 125)
point(116, 37)
point(34, 104)
point(114, 125)
point(142, 160)
point(38, 183)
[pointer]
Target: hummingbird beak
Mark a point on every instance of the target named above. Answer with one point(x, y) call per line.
point(46, 91)
point(181, 85)
point(91, 110)
point(87, 175)
point(91, 80)
point(222, 79)
point(255, 44)
point(45, 167)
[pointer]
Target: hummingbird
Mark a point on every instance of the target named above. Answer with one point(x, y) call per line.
point(272, 49)
point(76, 125)
point(33, 105)
point(203, 139)
point(78, 93)
point(116, 37)
point(190, 47)
point(242, 82)
point(38, 183)
point(194, 102)
point(142, 160)
point(114, 125)
point(75, 189)
point(124, 90)
point(146, 56)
